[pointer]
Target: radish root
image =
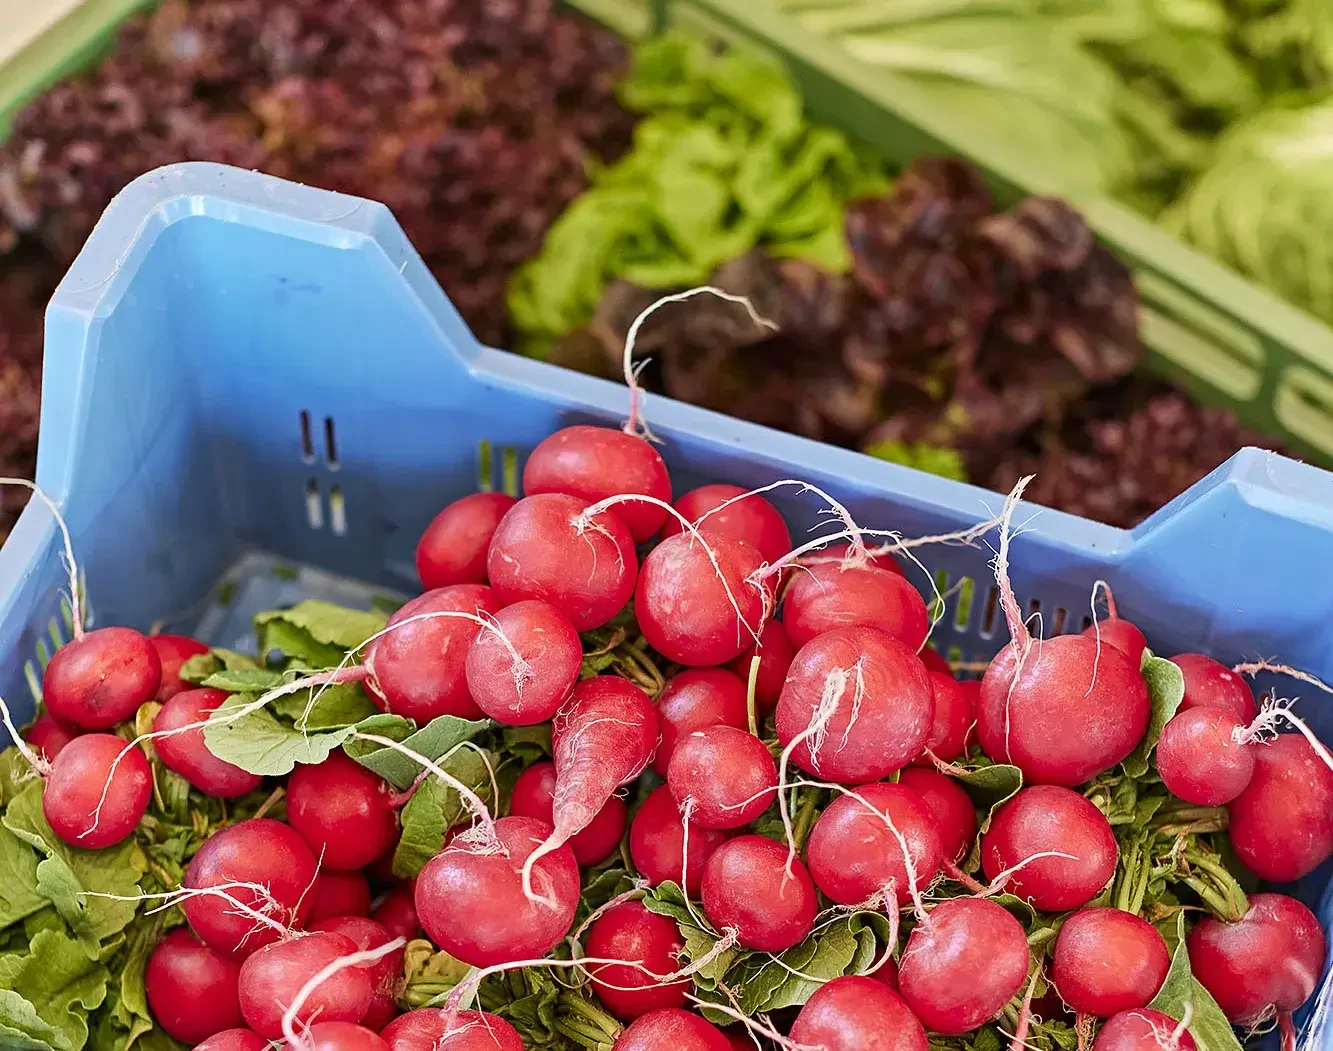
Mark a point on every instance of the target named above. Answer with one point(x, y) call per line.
point(1264, 727)
point(835, 685)
point(1256, 667)
point(168, 899)
point(75, 606)
point(352, 959)
point(857, 549)
point(1020, 639)
point(1001, 878)
point(41, 766)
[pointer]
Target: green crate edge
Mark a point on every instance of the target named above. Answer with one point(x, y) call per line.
point(1224, 339)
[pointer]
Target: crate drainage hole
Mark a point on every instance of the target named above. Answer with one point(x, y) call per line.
point(307, 445)
point(330, 445)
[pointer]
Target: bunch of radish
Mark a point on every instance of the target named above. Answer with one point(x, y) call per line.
point(807, 757)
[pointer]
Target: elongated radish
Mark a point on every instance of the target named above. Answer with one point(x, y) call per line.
point(191, 988)
point(955, 716)
point(72, 797)
point(453, 548)
point(531, 689)
point(271, 978)
point(857, 1014)
point(693, 699)
point(431, 1029)
point(1143, 1029)
point(343, 810)
point(1281, 825)
point(172, 653)
point(962, 964)
point(503, 923)
point(855, 851)
point(752, 519)
point(856, 706)
point(542, 550)
point(657, 843)
point(340, 894)
point(830, 595)
point(1047, 818)
point(725, 777)
point(747, 887)
point(1209, 683)
point(648, 942)
point(100, 678)
point(775, 653)
point(533, 795)
point(1202, 757)
point(184, 750)
point(1106, 961)
point(951, 807)
point(672, 1029)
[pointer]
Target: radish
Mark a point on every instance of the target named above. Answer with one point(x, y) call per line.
point(693, 699)
point(431, 1029)
point(749, 886)
point(1115, 630)
point(344, 811)
point(192, 989)
point(1202, 758)
point(697, 604)
point(340, 894)
point(542, 549)
point(101, 677)
point(839, 553)
point(951, 807)
point(533, 796)
point(723, 777)
point(532, 688)
point(503, 923)
point(263, 864)
point(418, 669)
point(657, 843)
point(1208, 683)
point(234, 1040)
point(49, 735)
point(183, 750)
point(1106, 961)
point(955, 715)
point(386, 973)
point(751, 519)
point(856, 706)
point(855, 851)
point(830, 595)
point(397, 913)
point(1270, 960)
point(272, 977)
point(1143, 1030)
point(886, 973)
point(172, 653)
point(672, 1029)
point(340, 1036)
point(1281, 825)
point(775, 653)
point(453, 548)
point(962, 964)
point(593, 463)
point(931, 658)
point(857, 1014)
point(87, 804)
point(1048, 818)
point(630, 932)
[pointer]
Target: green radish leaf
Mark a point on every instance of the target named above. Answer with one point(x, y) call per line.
point(242, 680)
point(429, 972)
point(602, 887)
point(1166, 689)
point(202, 665)
point(19, 897)
point(849, 945)
point(1208, 1025)
point(335, 707)
point(46, 994)
point(316, 633)
point(260, 744)
point(667, 899)
point(435, 808)
point(438, 737)
point(15, 774)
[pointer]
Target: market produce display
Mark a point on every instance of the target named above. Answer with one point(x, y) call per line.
point(611, 785)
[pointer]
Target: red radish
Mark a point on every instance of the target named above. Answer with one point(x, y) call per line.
point(693, 699)
point(593, 463)
point(931, 658)
point(672, 1029)
point(752, 519)
point(630, 932)
point(184, 750)
point(1201, 757)
point(551, 655)
point(172, 653)
point(746, 885)
point(1106, 961)
point(697, 604)
point(341, 1036)
point(277, 866)
point(950, 806)
point(886, 973)
point(340, 894)
point(1281, 825)
point(854, 854)
point(191, 988)
point(418, 670)
point(386, 973)
point(832, 595)
point(543, 549)
point(955, 715)
point(1121, 634)
point(101, 678)
point(85, 803)
point(272, 977)
point(1143, 1030)
point(233, 1040)
point(657, 843)
point(725, 776)
point(533, 796)
point(397, 913)
point(49, 735)
point(775, 653)
point(343, 810)
point(503, 924)
point(1067, 715)
point(431, 1029)
point(453, 548)
point(857, 1014)
point(1210, 684)
point(1270, 960)
point(856, 706)
point(962, 964)
point(1048, 818)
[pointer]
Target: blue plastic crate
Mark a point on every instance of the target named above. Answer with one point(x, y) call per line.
point(242, 372)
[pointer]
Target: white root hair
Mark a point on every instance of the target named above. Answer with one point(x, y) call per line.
point(352, 959)
point(1013, 616)
point(1264, 727)
point(835, 507)
point(41, 766)
point(835, 685)
point(260, 917)
point(755, 1028)
point(75, 605)
point(1255, 667)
